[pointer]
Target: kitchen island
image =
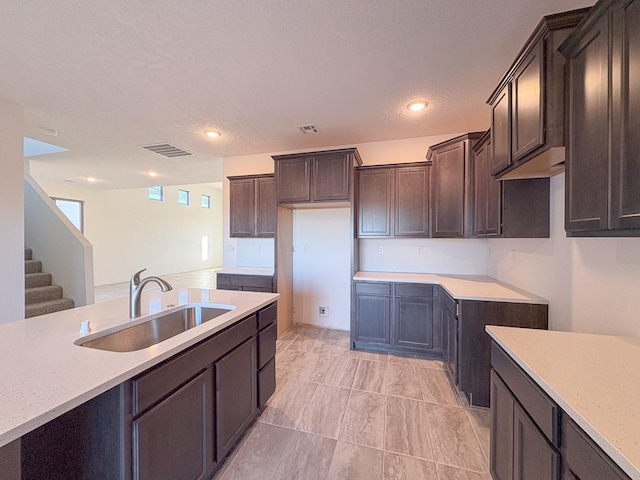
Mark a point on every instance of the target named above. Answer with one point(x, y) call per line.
point(592, 383)
point(45, 375)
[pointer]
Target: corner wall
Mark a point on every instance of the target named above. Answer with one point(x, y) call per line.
point(592, 284)
point(11, 212)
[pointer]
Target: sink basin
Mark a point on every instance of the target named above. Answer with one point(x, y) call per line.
point(154, 331)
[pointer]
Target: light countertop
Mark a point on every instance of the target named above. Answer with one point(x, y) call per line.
point(460, 287)
point(43, 374)
point(267, 272)
point(595, 379)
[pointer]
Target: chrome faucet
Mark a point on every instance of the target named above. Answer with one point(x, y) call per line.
point(135, 290)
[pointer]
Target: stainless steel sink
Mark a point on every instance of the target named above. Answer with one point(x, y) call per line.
point(153, 331)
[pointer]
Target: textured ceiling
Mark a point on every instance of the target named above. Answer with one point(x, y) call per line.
point(113, 75)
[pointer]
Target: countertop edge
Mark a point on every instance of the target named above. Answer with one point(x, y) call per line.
point(598, 438)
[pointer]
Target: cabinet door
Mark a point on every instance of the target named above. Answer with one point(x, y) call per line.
point(481, 177)
point(373, 318)
point(448, 191)
point(236, 394)
point(293, 180)
point(265, 207)
point(527, 110)
point(533, 457)
point(174, 440)
point(500, 131)
point(625, 167)
point(241, 207)
point(450, 342)
point(586, 179)
point(374, 202)
point(413, 325)
point(331, 176)
point(502, 404)
point(411, 211)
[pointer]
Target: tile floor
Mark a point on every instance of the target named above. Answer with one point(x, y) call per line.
point(342, 414)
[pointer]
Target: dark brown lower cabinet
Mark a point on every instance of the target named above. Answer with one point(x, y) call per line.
point(10, 461)
point(246, 283)
point(177, 420)
point(533, 457)
point(236, 393)
point(414, 326)
point(373, 319)
point(449, 321)
point(502, 405)
point(174, 440)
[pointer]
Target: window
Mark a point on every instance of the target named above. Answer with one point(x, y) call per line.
point(205, 201)
point(156, 193)
point(183, 197)
point(73, 210)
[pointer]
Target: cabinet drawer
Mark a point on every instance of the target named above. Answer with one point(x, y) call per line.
point(448, 301)
point(373, 288)
point(543, 410)
point(266, 344)
point(266, 382)
point(583, 458)
point(267, 316)
point(155, 384)
point(413, 290)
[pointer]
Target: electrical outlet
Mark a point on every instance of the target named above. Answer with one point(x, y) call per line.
point(323, 311)
point(420, 250)
point(381, 250)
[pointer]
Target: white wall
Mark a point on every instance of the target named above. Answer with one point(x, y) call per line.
point(129, 232)
point(322, 266)
point(11, 212)
point(592, 284)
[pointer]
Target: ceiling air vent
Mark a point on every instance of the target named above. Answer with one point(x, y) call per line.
point(308, 129)
point(167, 150)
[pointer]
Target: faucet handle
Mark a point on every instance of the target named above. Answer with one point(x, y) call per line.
point(135, 279)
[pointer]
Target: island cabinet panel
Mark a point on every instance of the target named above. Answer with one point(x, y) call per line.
point(174, 440)
point(393, 200)
point(252, 206)
point(315, 176)
point(10, 461)
point(603, 158)
point(236, 394)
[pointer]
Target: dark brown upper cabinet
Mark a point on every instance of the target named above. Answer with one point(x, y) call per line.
point(603, 145)
point(527, 106)
point(511, 209)
point(393, 200)
point(252, 208)
point(452, 186)
point(316, 176)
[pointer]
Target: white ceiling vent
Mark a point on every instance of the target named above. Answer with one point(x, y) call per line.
point(167, 150)
point(308, 129)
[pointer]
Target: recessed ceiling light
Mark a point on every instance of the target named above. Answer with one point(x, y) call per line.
point(152, 174)
point(212, 133)
point(91, 179)
point(417, 105)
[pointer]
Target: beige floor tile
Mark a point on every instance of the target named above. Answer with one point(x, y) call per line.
point(402, 359)
point(354, 462)
point(407, 428)
point(401, 467)
point(430, 363)
point(446, 472)
point(336, 334)
point(363, 421)
point(453, 439)
point(341, 371)
point(371, 356)
point(370, 376)
point(312, 367)
point(307, 457)
point(330, 346)
point(286, 406)
point(402, 381)
point(436, 387)
point(259, 454)
point(303, 344)
point(290, 333)
point(480, 419)
point(288, 362)
point(323, 415)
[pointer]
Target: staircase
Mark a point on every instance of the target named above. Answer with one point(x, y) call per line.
point(40, 296)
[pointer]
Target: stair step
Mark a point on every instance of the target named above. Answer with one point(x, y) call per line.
point(32, 266)
point(42, 294)
point(42, 308)
point(28, 254)
point(32, 280)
